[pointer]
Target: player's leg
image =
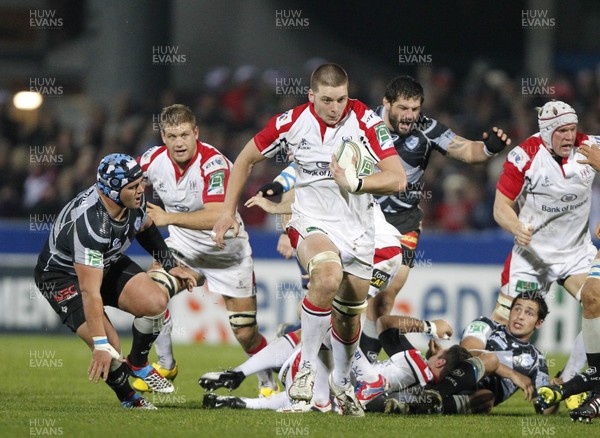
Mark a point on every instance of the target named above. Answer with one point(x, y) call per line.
point(577, 358)
point(348, 305)
point(133, 290)
point(321, 259)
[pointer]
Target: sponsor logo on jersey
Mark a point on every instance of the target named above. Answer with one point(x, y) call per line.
point(322, 164)
point(383, 136)
point(93, 258)
point(216, 183)
point(569, 197)
point(524, 360)
point(283, 119)
point(215, 163)
point(370, 118)
point(181, 208)
point(410, 240)
point(518, 158)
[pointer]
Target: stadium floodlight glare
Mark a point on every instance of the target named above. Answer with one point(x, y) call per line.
point(27, 100)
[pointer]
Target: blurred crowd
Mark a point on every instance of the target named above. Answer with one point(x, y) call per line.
point(48, 157)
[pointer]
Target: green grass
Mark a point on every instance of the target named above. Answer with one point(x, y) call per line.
point(45, 392)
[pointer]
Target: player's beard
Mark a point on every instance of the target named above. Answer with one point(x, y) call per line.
point(402, 131)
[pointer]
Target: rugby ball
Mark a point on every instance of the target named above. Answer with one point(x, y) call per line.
point(354, 155)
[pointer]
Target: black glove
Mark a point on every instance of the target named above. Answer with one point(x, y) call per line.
point(271, 189)
point(493, 143)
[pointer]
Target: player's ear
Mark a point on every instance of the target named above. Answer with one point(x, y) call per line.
point(311, 96)
point(386, 103)
point(539, 323)
point(196, 132)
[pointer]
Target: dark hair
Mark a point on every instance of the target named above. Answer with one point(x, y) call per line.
point(331, 75)
point(404, 86)
point(455, 355)
point(176, 115)
point(538, 297)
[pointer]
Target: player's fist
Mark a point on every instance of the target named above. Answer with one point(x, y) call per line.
point(271, 189)
point(495, 140)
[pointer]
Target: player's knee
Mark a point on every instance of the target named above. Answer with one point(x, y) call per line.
point(348, 309)
point(244, 326)
point(590, 294)
point(156, 304)
point(325, 271)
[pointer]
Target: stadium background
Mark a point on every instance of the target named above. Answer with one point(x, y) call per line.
point(106, 68)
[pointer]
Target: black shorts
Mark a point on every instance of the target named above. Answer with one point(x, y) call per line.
point(64, 295)
point(408, 222)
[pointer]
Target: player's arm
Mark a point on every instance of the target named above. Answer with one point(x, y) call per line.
point(438, 327)
point(476, 334)
point(203, 219)
point(505, 214)
point(90, 280)
point(520, 380)
point(471, 151)
point(242, 168)
point(390, 179)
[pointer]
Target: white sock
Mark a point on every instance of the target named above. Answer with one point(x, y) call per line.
point(272, 356)
point(363, 369)
point(164, 345)
point(342, 357)
point(321, 388)
point(370, 328)
point(576, 361)
point(274, 402)
point(315, 322)
point(591, 335)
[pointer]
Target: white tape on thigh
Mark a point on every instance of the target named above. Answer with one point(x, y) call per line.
point(165, 279)
point(322, 257)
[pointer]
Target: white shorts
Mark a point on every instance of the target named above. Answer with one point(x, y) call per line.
point(524, 271)
point(231, 277)
point(357, 255)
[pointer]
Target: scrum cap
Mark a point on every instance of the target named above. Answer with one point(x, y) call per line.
point(115, 172)
point(552, 116)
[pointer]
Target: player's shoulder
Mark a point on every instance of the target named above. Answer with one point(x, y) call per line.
point(481, 326)
point(365, 115)
point(211, 159)
point(531, 146)
point(285, 120)
point(151, 155)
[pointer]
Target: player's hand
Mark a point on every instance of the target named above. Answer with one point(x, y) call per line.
point(223, 224)
point(597, 231)
point(443, 329)
point(345, 178)
point(184, 277)
point(434, 348)
point(159, 216)
point(99, 366)
point(271, 189)
point(525, 384)
point(495, 140)
point(284, 246)
point(591, 152)
point(523, 234)
point(259, 201)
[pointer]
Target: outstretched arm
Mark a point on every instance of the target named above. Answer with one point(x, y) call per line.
point(473, 152)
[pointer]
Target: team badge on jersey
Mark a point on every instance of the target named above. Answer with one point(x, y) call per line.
point(518, 158)
point(411, 142)
point(216, 183)
point(383, 136)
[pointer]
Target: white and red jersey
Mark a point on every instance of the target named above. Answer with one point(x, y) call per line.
point(312, 142)
point(203, 181)
point(405, 369)
point(553, 197)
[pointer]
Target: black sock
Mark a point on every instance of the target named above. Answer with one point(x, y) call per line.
point(119, 382)
point(459, 379)
point(140, 347)
point(588, 380)
point(449, 406)
point(370, 346)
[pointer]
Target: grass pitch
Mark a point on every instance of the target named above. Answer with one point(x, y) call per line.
point(45, 392)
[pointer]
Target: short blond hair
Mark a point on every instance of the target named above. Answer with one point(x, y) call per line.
point(331, 75)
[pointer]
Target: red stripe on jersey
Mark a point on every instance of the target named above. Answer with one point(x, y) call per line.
point(360, 109)
point(146, 164)
point(505, 277)
point(418, 360)
point(387, 253)
point(270, 133)
point(293, 336)
point(512, 179)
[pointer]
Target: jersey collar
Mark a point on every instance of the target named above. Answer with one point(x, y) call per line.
point(322, 125)
point(179, 174)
